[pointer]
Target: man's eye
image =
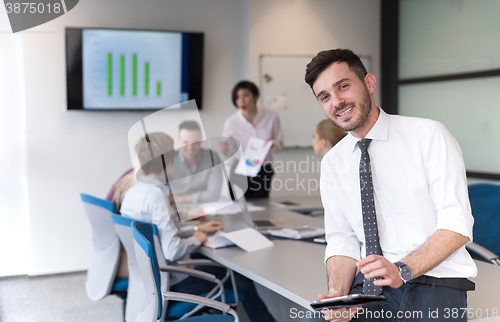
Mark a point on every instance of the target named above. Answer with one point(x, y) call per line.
point(343, 86)
point(324, 98)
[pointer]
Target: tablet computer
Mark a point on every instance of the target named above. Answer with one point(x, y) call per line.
point(348, 301)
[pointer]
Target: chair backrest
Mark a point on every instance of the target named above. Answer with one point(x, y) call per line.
point(106, 248)
point(135, 294)
point(485, 204)
point(152, 307)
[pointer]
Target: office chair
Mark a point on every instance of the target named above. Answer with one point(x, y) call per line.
point(106, 249)
point(123, 226)
point(485, 204)
point(154, 304)
point(135, 292)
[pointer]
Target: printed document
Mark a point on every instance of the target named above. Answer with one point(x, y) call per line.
point(253, 158)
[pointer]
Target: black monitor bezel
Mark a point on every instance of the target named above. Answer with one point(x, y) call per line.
point(74, 68)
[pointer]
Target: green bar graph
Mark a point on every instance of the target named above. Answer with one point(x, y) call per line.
point(122, 75)
point(134, 74)
point(146, 78)
point(110, 84)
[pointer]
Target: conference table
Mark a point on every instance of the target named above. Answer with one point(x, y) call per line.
point(295, 269)
point(292, 268)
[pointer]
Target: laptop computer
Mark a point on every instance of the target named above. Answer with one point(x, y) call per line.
point(261, 223)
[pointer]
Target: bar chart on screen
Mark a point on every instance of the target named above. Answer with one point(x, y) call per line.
point(130, 69)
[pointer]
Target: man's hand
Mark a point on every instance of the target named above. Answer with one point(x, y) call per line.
point(210, 226)
point(376, 265)
point(338, 315)
point(202, 237)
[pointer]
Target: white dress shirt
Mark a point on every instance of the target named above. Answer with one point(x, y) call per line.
point(266, 124)
point(419, 186)
point(149, 200)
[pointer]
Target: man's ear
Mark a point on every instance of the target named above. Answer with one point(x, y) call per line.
point(370, 82)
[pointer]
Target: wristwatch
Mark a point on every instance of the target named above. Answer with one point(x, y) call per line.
point(405, 272)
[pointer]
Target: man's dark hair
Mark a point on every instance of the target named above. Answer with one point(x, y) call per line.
point(189, 125)
point(244, 85)
point(327, 57)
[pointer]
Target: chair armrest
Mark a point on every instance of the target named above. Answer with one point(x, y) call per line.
point(175, 296)
point(189, 271)
point(199, 262)
point(483, 253)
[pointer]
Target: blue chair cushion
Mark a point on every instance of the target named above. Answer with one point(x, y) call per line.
point(120, 285)
point(210, 318)
point(485, 205)
point(178, 309)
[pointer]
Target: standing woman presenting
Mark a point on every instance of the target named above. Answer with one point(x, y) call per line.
point(253, 121)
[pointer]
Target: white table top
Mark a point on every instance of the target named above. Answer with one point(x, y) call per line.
point(291, 268)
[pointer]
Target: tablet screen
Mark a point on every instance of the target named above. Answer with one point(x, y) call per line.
point(348, 301)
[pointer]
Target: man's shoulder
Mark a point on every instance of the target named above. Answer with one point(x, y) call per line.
point(411, 123)
point(207, 154)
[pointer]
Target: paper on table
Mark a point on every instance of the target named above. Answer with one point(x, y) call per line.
point(253, 158)
point(215, 208)
point(248, 239)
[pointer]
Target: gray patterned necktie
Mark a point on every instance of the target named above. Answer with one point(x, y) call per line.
point(372, 241)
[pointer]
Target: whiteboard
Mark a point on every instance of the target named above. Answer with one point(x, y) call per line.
point(281, 80)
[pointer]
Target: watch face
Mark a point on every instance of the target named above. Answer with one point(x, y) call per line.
point(406, 273)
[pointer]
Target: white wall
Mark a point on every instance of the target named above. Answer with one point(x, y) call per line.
point(14, 214)
point(59, 153)
point(308, 27)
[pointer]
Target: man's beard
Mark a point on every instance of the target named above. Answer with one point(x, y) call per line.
point(364, 108)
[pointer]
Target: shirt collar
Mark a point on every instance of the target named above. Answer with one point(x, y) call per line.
point(378, 132)
point(257, 115)
point(183, 159)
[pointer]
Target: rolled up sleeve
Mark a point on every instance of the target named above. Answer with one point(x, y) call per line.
point(448, 183)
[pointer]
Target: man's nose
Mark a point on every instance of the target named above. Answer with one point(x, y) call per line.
point(337, 101)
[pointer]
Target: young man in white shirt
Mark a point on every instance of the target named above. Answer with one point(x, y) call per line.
point(420, 201)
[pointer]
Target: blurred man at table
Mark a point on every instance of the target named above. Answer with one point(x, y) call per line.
point(196, 176)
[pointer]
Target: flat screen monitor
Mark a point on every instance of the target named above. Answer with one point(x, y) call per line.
point(123, 69)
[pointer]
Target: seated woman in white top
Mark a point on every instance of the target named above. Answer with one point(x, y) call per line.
point(149, 200)
point(253, 121)
point(326, 136)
